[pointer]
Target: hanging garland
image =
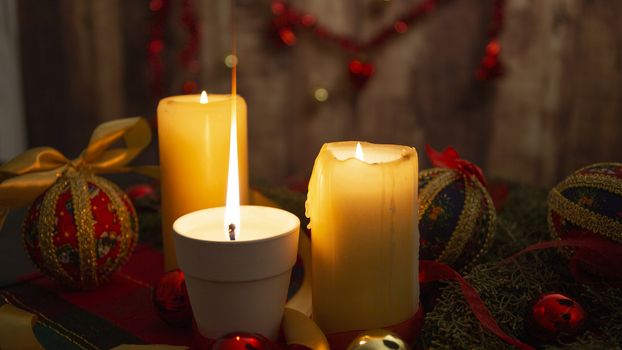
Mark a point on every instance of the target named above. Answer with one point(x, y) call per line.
point(160, 10)
point(187, 57)
point(287, 21)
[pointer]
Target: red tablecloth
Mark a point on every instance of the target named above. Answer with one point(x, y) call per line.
point(120, 312)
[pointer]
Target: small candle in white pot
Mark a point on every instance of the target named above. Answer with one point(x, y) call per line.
point(241, 284)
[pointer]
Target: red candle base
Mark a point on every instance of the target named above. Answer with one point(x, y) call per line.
point(233, 341)
point(408, 330)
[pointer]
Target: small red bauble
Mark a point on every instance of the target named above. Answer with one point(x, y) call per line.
point(553, 314)
point(80, 230)
point(140, 191)
point(170, 298)
point(244, 341)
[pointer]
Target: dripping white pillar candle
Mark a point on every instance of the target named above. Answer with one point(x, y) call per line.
point(365, 238)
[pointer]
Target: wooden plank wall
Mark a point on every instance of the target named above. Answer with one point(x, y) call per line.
point(559, 106)
point(73, 69)
point(13, 130)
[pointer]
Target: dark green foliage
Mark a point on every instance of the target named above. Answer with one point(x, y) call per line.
point(509, 288)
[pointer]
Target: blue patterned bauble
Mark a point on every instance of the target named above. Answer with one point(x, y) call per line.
point(588, 203)
point(456, 217)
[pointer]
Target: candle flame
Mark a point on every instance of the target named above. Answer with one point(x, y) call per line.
point(359, 152)
point(203, 98)
point(232, 208)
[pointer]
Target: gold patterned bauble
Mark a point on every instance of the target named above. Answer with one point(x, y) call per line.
point(81, 230)
point(588, 203)
point(378, 339)
point(456, 217)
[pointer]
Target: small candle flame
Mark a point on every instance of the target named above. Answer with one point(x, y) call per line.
point(359, 152)
point(203, 98)
point(232, 208)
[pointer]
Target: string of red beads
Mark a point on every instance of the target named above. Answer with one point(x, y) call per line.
point(287, 21)
point(187, 57)
point(490, 65)
point(160, 9)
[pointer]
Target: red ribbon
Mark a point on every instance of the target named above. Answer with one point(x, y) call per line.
point(430, 271)
point(450, 159)
point(596, 254)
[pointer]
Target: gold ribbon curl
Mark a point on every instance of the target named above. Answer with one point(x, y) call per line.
point(25, 177)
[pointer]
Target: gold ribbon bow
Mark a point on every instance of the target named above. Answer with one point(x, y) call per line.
point(28, 175)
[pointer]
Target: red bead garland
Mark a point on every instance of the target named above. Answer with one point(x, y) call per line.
point(287, 20)
point(160, 9)
point(285, 24)
point(187, 56)
point(360, 72)
point(490, 66)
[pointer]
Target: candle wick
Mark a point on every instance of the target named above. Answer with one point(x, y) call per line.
point(232, 232)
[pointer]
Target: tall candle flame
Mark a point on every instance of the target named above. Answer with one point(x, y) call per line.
point(359, 152)
point(203, 98)
point(232, 209)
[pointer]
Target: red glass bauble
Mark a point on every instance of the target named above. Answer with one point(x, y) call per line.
point(244, 341)
point(170, 299)
point(555, 314)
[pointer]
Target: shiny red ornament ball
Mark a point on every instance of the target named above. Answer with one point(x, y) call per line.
point(244, 341)
point(170, 299)
point(555, 314)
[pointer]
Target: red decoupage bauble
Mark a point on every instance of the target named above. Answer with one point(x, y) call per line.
point(244, 341)
point(555, 314)
point(170, 298)
point(81, 230)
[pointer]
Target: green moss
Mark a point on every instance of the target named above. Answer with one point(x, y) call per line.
point(509, 288)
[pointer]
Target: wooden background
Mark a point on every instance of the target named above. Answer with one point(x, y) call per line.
point(559, 107)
